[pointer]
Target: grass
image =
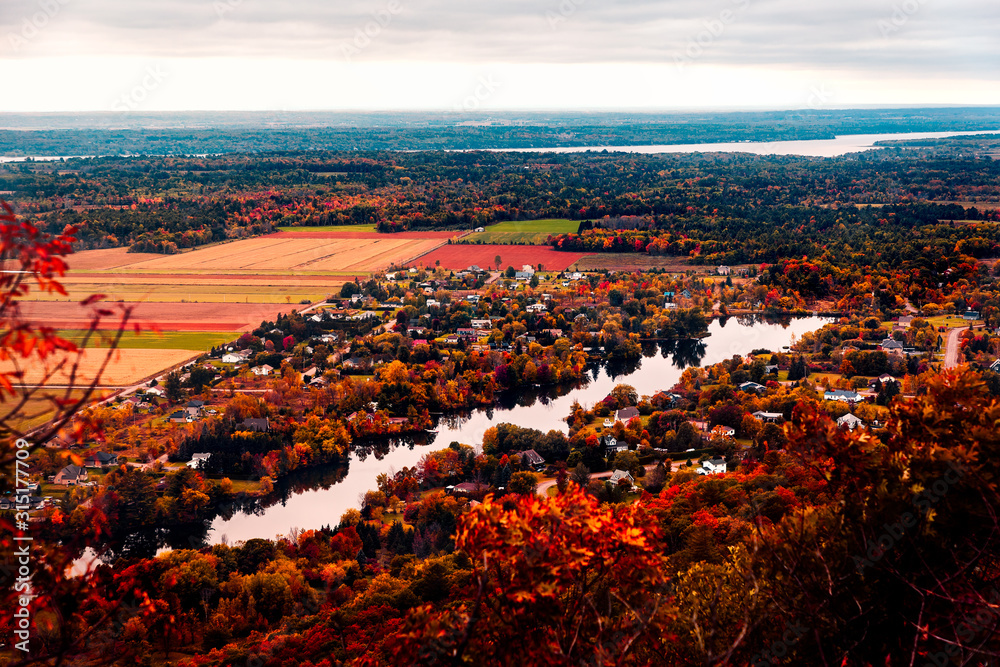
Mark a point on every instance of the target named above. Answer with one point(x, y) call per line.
point(151, 340)
point(330, 228)
point(525, 232)
point(950, 321)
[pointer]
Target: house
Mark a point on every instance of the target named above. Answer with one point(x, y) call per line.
point(905, 321)
point(71, 476)
point(850, 421)
point(772, 417)
point(366, 416)
point(464, 488)
point(842, 395)
point(995, 366)
point(528, 268)
point(536, 308)
point(712, 467)
point(252, 424)
point(883, 380)
point(480, 229)
point(770, 368)
point(99, 459)
point(970, 315)
point(752, 387)
point(618, 475)
point(670, 306)
point(625, 414)
point(721, 431)
point(891, 345)
point(612, 444)
point(180, 417)
point(262, 370)
point(532, 459)
point(482, 324)
point(523, 275)
point(155, 391)
point(197, 459)
point(195, 403)
point(724, 270)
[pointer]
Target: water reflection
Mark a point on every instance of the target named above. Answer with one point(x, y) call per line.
point(314, 498)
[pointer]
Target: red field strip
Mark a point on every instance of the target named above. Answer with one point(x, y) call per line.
point(457, 257)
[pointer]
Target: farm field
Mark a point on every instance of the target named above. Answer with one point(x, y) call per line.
point(162, 292)
point(127, 366)
point(222, 317)
point(154, 340)
point(38, 410)
point(362, 232)
point(287, 253)
point(527, 232)
point(457, 256)
point(626, 261)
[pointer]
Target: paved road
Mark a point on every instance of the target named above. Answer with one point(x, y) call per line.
point(951, 348)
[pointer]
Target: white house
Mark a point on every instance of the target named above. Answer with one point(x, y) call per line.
point(712, 467)
point(842, 395)
point(262, 370)
point(196, 460)
point(850, 421)
point(619, 475)
point(724, 270)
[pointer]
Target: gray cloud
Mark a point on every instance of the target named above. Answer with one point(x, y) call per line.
point(891, 35)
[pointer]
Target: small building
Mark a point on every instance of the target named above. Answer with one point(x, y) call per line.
point(71, 476)
point(532, 459)
point(768, 417)
point(100, 459)
point(253, 424)
point(262, 370)
point(464, 489)
point(612, 444)
point(625, 414)
point(724, 270)
point(618, 475)
point(721, 431)
point(891, 345)
point(197, 460)
point(712, 467)
point(180, 417)
point(752, 387)
point(971, 315)
point(842, 395)
point(850, 422)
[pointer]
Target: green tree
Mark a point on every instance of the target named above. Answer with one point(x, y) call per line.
point(523, 483)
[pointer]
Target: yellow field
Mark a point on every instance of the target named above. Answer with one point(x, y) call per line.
point(288, 254)
point(127, 366)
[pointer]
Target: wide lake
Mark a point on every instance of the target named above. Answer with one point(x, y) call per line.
point(317, 499)
point(841, 145)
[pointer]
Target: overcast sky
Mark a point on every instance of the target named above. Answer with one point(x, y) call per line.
point(496, 54)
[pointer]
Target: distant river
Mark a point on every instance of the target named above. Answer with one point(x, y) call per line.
point(337, 491)
point(848, 143)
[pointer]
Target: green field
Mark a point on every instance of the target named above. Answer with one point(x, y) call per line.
point(525, 232)
point(151, 340)
point(329, 228)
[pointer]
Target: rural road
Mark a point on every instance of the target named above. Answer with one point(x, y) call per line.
point(951, 348)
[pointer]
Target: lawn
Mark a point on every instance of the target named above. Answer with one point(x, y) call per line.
point(525, 232)
point(152, 340)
